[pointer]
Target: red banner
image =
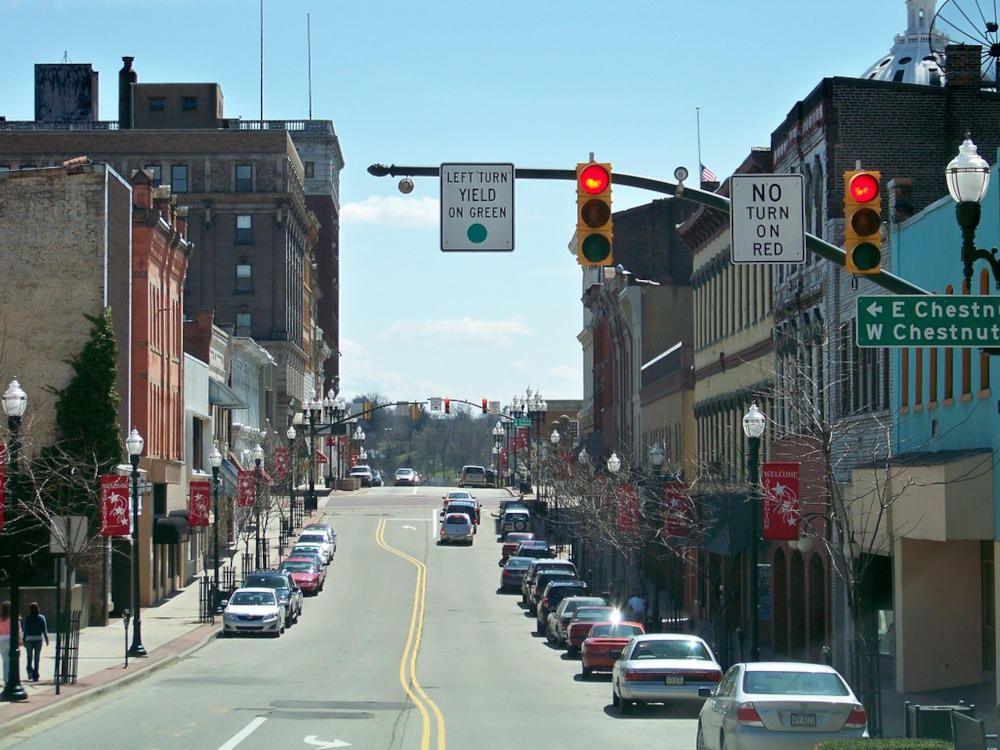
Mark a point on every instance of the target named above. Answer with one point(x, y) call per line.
point(198, 503)
point(676, 509)
point(245, 480)
point(780, 483)
point(281, 462)
point(521, 438)
point(115, 508)
point(628, 508)
point(564, 468)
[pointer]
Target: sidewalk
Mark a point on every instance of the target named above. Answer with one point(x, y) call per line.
point(170, 631)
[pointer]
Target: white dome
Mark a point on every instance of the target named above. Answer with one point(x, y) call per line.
point(911, 60)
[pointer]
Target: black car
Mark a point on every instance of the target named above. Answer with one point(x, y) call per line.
point(376, 478)
point(537, 566)
point(469, 507)
point(513, 572)
point(542, 579)
point(556, 590)
point(289, 594)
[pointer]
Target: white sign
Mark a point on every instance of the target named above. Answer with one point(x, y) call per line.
point(493, 407)
point(767, 218)
point(477, 207)
point(68, 531)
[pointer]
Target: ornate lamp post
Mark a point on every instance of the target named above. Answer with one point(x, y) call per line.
point(498, 435)
point(753, 427)
point(215, 459)
point(15, 403)
point(968, 176)
point(135, 444)
point(537, 407)
point(656, 457)
point(258, 456)
point(292, 502)
point(614, 463)
point(313, 409)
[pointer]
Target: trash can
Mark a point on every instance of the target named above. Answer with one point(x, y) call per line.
point(933, 722)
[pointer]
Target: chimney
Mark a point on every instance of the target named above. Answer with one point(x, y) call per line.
point(126, 78)
point(962, 66)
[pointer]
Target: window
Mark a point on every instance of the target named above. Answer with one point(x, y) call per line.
point(156, 171)
point(244, 178)
point(244, 229)
point(243, 324)
point(244, 277)
point(310, 169)
point(189, 103)
point(179, 178)
point(4, 167)
point(157, 104)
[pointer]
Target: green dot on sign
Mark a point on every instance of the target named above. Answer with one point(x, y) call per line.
point(476, 233)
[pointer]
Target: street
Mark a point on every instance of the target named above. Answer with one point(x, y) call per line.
point(344, 676)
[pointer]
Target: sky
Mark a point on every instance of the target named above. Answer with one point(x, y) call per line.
point(536, 83)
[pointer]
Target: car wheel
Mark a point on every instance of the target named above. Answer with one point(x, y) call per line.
point(539, 628)
point(699, 740)
point(548, 637)
point(520, 526)
point(615, 700)
point(624, 706)
point(585, 673)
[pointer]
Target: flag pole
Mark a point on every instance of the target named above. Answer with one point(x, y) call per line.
point(697, 111)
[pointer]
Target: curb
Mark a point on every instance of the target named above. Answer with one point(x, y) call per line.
point(46, 706)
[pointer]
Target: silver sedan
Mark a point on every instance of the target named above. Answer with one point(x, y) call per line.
point(663, 668)
point(779, 706)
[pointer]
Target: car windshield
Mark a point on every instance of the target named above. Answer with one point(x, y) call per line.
point(271, 582)
point(298, 567)
point(592, 614)
point(615, 630)
point(316, 538)
point(518, 563)
point(459, 496)
point(793, 683)
point(310, 550)
point(671, 649)
point(249, 598)
point(571, 606)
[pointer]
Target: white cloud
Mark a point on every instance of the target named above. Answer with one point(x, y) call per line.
point(565, 372)
point(461, 331)
point(393, 211)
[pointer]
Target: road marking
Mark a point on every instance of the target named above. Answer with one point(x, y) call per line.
point(324, 744)
point(411, 528)
point(243, 733)
point(408, 661)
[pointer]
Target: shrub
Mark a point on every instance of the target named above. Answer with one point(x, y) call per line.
point(891, 743)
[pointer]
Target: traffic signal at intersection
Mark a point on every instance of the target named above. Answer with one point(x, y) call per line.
point(863, 221)
point(447, 406)
point(485, 407)
point(593, 214)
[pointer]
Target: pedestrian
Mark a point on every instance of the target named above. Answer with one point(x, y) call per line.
point(35, 630)
point(5, 638)
point(638, 606)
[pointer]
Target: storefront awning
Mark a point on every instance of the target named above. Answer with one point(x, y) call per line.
point(219, 394)
point(321, 457)
point(170, 530)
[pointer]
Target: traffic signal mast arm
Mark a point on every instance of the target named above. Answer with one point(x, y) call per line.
point(322, 429)
point(463, 401)
point(824, 249)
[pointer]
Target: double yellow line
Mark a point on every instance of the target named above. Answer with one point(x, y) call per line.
point(408, 662)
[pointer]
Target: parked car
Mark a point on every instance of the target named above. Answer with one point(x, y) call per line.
point(514, 519)
point(308, 573)
point(537, 548)
point(289, 593)
point(790, 705)
point(376, 478)
point(558, 619)
point(604, 644)
point(308, 551)
point(552, 595)
point(540, 564)
point(663, 668)
point(542, 579)
point(513, 572)
point(362, 472)
point(472, 476)
point(513, 539)
point(405, 477)
point(317, 537)
point(253, 610)
point(582, 621)
point(331, 535)
point(457, 527)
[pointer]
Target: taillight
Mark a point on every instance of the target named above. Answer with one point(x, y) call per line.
point(642, 677)
point(857, 720)
point(747, 715)
point(704, 676)
point(506, 574)
point(545, 602)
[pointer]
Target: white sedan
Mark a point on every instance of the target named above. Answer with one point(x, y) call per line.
point(457, 527)
point(663, 668)
point(253, 610)
point(317, 537)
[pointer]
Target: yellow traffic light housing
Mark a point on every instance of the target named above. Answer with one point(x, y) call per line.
point(368, 410)
point(593, 214)
point(863, 221)
point(415, 411)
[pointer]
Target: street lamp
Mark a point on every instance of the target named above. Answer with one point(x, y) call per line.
point(215, 458)
point(498, 441)
point(583, 457)
point(656, 456)
point(968, 176)
point(258, 456)
point(15, 403)
point(290, 434)
point(753, 427)
point(134, 444)
point(537, 407)
point(614, 463)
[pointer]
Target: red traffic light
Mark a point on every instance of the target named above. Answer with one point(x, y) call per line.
point(594, 179)
point(485, 407)
point(863, 187)
point(447, 406)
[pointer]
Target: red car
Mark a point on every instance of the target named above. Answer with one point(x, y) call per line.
point(514, 538)
point(605, 643)
point(579, 625)
point(308, 574)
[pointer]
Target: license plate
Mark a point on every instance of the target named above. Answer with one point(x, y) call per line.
point(674, 679)
point(803, 720)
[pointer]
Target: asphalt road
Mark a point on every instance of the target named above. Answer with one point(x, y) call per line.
point(409, 646)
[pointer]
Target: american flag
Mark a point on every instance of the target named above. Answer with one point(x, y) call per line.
point(707, 175)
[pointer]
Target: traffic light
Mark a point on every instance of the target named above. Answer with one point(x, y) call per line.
point(862, 221)
point(593, 214)
point(485, 407)
point(415, 411)
point(447, 406)
point(368, 410)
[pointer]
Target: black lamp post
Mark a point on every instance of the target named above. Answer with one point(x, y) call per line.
point(536, 407)
point(498, 435)
point(134, 444)
point(313, 409)
point(753, 427)
point(554, 464)
point(292, 503)
point(258, 456)
point(215, 459)
point(968, 176)
point(15, 402)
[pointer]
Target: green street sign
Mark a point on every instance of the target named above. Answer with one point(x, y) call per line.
point(522, 421)
point(929, 320)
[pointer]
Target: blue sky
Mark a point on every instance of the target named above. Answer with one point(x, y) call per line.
point(540, 83)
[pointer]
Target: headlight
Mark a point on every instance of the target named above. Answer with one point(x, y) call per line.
point(229, 617)
point(272, 616)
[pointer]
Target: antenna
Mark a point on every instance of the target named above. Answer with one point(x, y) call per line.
point(309, 47)
point(262, 63)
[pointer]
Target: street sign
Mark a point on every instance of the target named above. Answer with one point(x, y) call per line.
point(929, 320)
point(494, 407)
point(767, 218)
point(477, 207)
point(522, 421)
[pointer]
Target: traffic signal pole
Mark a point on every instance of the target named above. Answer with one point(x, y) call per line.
point(814, 244)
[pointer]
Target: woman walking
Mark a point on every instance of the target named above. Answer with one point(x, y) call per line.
point(35, 629)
